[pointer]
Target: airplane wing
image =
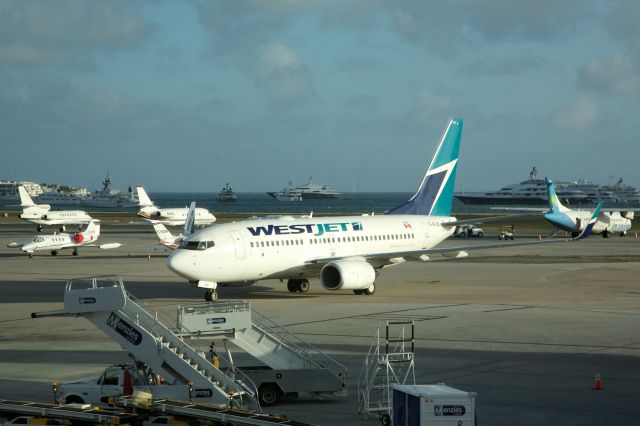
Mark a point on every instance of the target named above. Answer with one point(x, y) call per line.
point(105, 246)
point(460, 251)
point(502, 218)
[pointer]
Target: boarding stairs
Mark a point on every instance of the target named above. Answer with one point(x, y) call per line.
point(260, 337)
point(105, 302)
point(390, 360)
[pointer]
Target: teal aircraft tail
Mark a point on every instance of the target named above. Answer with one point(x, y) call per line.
point(435, 193)
point(554, 203)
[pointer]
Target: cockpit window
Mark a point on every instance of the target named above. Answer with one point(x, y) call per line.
point(38, 239)
point(197, 245)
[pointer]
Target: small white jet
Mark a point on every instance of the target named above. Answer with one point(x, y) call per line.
point(41, 214)
point(346, 252)
point(59, 241)
point(171, 241)
point(173, 216)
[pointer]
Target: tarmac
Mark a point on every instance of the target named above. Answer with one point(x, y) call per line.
point(526, 328)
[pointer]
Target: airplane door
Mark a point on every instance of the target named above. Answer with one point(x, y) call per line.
point(238, 243)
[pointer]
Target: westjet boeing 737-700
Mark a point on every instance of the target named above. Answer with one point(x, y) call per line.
point(346, 252)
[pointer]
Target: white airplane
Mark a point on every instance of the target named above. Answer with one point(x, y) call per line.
point(346, 252)
point(171, 241)
point(41, 214)
point(609, 221)
point(59, 241)
point(172, 216)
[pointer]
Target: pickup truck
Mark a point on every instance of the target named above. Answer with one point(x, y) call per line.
point(118, 380)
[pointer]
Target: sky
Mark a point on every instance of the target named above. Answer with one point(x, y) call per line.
point(187, 95)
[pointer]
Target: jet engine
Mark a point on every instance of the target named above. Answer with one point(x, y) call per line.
point(627, 214)
point(78, 238)
point(347, 275)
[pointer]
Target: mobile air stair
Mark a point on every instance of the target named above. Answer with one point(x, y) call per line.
point(293, 366)
point(389, 360)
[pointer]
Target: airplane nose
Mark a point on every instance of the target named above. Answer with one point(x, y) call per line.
point(182, 263)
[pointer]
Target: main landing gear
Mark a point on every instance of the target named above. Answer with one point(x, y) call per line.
point(366, 291)
point(294, 285)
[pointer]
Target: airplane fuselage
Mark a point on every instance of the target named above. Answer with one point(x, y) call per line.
point(176, 216)
point(56, 242)
point(289, 247)
point(575, 221)
point(62, 217)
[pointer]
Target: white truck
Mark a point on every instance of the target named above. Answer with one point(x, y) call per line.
point(468, 231)
point(123, 379)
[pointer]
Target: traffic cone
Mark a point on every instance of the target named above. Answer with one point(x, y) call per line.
point(597, 383)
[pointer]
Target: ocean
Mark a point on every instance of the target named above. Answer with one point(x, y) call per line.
point(261, 203)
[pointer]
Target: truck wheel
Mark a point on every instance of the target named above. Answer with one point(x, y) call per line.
point(74, 400)
point(269, 394)
point(385, 419)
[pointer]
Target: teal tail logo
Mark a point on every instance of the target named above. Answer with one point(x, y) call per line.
point(435, 193)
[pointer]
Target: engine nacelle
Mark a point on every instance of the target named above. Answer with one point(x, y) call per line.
point(347, 275)
point(627, 214)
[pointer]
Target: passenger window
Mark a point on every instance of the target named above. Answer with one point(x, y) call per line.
point(251, 244)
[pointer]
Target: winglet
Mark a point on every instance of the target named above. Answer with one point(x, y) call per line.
point(594, 218)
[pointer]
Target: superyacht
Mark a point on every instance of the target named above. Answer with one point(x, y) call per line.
point(576, 193)
point(313, 191)
point(288, 193)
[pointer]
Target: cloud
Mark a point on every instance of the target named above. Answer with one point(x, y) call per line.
point(362, 103)
point(617, 75)
point(579, 116)
point(427, 106)
point(62, 32)
point(284, 78)
point(511, 65)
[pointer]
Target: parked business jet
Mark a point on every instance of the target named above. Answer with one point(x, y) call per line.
point(609, 221)
point(59, 241)
point(41, 214)
point(171, 241)
point(172, 216)
point(346, 252)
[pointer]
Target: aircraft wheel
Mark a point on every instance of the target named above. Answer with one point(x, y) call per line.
point(39, 228)
point(605, 234)
point(369, 290)
point(292, 286)
point(75, 252)
point(357, 292)
point(54, 252)
point(303, 286)
point(385, 419)
point(210, 295)
point(30, 255)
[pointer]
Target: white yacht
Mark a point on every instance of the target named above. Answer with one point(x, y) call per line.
point(226, 195)
point(288, 193)
point(313, 191)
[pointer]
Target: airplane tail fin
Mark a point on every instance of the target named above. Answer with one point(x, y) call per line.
point(435, 193)
point(163, 233)
point(554, 203)
point(93, 228)
point(25, 199)
point(594, 218)
point(143, 198)
point(190, 222)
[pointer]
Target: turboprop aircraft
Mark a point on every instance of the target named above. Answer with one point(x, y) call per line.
point(173, 216)
point(346, 252)
point(171, 241)
point(41, 214)
point(59, 241)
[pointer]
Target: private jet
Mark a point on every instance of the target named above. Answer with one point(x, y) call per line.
point(41, 214)
point(172, 216)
